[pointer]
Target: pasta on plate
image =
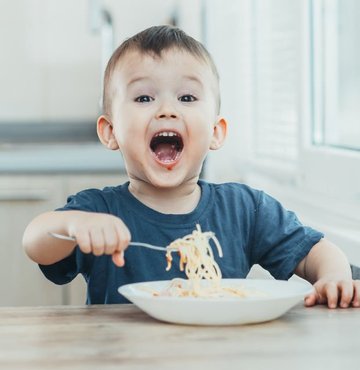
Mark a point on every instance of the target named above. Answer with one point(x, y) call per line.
point(203, 273)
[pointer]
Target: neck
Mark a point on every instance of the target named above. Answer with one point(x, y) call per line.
point(178, 200)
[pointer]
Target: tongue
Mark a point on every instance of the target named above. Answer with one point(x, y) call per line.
point(165, 152)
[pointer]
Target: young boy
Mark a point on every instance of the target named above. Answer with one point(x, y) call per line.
point(161, 110)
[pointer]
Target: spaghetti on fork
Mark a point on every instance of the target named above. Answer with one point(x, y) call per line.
point(197, 259)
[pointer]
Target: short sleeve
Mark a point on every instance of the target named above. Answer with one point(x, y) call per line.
point(87, 200)
point(280, 240)
point(66, 270)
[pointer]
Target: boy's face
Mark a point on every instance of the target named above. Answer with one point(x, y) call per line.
point(164, 116)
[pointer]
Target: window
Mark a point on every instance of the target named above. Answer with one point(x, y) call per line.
point(290, 90)
point(329, 161)
point(336, 58)
point(290, 75)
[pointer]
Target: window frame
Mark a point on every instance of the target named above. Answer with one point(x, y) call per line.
point(299, 186)
point(339, 181)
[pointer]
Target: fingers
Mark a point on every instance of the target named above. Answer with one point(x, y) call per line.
point(310, 300)
point(118, 259)
point(331, 294)
point(97, 242)
point(102, 234)
point(343, 293)
point(123, 236)
point(83, 239)
point(111, 240)
point(356, 296)
point(347, 291)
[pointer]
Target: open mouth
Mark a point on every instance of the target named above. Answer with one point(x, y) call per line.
point(167, 146)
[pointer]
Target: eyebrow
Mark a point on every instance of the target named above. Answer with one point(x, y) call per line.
point(137, 79)
point(194, 78)
point(142, 78)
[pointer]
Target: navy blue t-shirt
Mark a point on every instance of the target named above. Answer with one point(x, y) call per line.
point(252, 228)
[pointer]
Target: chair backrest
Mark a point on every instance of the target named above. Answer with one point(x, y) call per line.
point(355, 272)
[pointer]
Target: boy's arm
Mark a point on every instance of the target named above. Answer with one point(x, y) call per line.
point(95, 233)
point(327, 267)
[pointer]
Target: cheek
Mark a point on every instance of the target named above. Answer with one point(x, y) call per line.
point(132, 144)
point(128, 132)
point(200, 145)
point(203, 129)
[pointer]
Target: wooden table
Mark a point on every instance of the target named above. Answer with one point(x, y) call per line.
point(123, 337)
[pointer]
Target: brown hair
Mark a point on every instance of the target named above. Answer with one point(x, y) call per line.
point(153, 41)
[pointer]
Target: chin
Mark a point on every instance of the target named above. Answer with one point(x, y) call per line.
point(166, 183)
point(169, 180)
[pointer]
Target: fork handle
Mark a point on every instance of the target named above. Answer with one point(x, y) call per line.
point(137, 244)
point(150, 246)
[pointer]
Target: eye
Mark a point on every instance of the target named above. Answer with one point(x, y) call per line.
point(144, 99)
point(187, 98)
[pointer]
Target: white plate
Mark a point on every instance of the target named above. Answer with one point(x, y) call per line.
point(279, 296)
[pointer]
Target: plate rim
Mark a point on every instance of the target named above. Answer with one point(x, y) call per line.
point(305, 284)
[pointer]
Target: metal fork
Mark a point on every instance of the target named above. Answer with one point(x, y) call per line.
point(137, 244)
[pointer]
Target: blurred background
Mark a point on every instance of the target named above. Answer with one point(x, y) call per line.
point(290, 85)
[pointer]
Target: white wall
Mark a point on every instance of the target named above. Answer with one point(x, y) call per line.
point(227, 36)
point(50, 66)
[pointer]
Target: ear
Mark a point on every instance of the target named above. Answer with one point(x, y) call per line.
point(105, 132)
point(219, 134)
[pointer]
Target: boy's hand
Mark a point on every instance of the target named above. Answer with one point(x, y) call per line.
point(327, 267)
point(335, 291)
point(100, 234)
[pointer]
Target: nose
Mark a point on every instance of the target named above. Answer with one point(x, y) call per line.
point(167, 110)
